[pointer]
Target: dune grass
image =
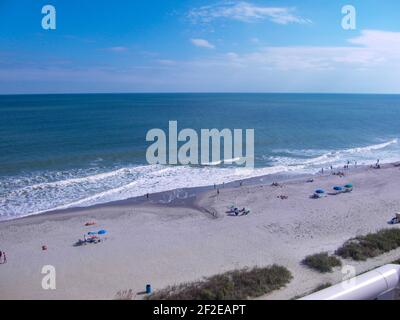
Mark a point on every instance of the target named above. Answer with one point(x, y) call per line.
point(322, 287)
point(371, 245)
point(125, 295)
point(322, 262)
point(232, 285)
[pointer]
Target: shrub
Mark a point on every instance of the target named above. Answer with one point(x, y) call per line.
point(322, 287)
point(125, 295)
point(371, 245)
point(318, 288)
point(322, 262)
point(232, 285)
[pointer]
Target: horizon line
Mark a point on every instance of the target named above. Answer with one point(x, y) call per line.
point(195, 92)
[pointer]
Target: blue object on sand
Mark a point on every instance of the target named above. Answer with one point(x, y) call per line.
point(338, 188)
point(102, 232)
point(320, 191)
point(148, 288)
point(348, 185)
point(92, 233)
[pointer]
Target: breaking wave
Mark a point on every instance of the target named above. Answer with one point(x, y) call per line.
point(46, 191)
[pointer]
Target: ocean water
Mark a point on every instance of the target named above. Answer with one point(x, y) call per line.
point(62, 151)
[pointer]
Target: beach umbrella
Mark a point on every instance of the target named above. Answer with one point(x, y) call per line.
point(338, 188)
point(348, 185)
point(319, 191)
point(102, 232)
point(92, 233)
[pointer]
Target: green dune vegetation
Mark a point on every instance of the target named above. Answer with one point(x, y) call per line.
point(232, 285)
point(371, 245)
point(322, 262)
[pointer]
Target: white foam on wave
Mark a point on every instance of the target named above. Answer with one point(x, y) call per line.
point(373, 147)
point(118, 185)
point(85, 188)
point(364, 155)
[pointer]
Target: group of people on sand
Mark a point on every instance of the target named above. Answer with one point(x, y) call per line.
point(3, 257)
point(340, 173)
point(238, 212)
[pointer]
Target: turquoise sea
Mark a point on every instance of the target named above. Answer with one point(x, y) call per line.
point(61, 151)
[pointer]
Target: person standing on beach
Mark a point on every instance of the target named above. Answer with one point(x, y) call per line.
point(3, 254)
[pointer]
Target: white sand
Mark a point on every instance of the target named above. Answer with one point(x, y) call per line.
point(164, 245)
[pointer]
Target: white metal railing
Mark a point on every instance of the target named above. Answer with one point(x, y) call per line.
point(382, 283)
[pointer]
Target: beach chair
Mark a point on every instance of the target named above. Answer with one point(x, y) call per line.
point(348, 188)
point(336, 191)
point(396, 219)
point(93, 240)
point(232, 210)
point(80, 242)
point(318, 194)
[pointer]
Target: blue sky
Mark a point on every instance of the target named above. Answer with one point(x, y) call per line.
point(199, 46)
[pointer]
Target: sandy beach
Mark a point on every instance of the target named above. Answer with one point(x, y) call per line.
point(161, 245)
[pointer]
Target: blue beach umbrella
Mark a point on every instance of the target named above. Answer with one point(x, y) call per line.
point(320, 191)
point(348, 185)
point(338, 188)
point(92, 233)
point(102, 232)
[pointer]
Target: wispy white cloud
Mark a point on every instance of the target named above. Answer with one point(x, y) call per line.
point(369, 62)
point(202, 43)
point(255, 40)
point(118, 49)
point(373, 48)
point(378, 39)
point(245, 12)
point(166, 62)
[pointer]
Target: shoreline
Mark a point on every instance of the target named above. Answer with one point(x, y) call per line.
point(159, 198)
point(185, 241)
